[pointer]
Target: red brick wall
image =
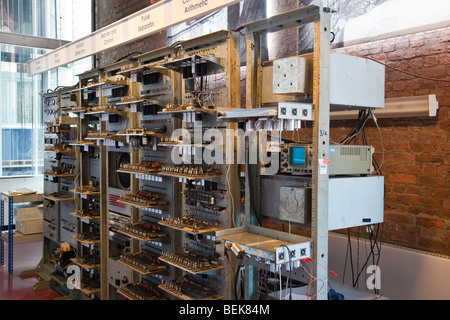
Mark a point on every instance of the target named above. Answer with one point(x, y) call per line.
point(417, 158)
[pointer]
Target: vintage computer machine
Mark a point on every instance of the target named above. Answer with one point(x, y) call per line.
point(160, 206)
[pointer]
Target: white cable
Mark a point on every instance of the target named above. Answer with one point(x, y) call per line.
point(281, 283)
point(287, 286)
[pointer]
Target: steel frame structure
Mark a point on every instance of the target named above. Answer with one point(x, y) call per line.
point(321, 17)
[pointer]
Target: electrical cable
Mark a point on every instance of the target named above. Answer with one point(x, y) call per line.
point(349, 244)
point(280, 283)
point(236, 278)
point(260, 285)
point(128, 55)
point(329, 271)
point(382, 143)
point(373, 243)
point(406, 72)
point(357, 253)
point(290, 270)
point(312, 280)
point(252, 198)
point(362, 119)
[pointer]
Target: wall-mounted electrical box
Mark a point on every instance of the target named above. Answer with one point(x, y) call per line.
point(355, 201)
point(355, 82)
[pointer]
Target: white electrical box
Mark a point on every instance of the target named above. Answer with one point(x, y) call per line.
point(356, 82)
point(355, 201)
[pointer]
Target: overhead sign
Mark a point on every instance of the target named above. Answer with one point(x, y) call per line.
point(155, 18)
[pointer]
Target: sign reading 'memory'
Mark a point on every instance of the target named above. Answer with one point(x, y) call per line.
point(155, 18)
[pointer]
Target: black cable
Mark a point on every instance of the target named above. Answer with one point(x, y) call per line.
point(351, 255)
point(251, 195)
point(242, 286)
point(265, 283)
point(353, 129)
point(358, 127)
point(126, 56)
point(334, 36)
point(373, 244)
point(379, 248)
point(345, 263)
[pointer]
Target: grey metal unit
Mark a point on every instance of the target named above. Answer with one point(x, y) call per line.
point(51, 231)
point(296, 159)
point(118, 275)
point(355, 201)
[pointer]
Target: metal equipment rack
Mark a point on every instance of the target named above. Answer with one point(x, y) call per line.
point(166, 79)
point(10, 200)
point(321, 17)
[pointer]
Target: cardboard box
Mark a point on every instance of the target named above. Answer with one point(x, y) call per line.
point(20, 198)
point(30, 227)
point(28, 213)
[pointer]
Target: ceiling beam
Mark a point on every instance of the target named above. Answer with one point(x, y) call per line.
point(30, 41)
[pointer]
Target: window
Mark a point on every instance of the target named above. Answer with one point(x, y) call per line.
point(21, 134)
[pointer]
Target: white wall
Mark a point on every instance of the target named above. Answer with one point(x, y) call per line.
point(34, 183)
point(395, 16)
point(405, 274)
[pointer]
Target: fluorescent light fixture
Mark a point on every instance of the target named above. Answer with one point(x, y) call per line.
point(404, 107)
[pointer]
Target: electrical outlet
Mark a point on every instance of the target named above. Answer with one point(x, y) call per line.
point(293, 254)
point(295, 111)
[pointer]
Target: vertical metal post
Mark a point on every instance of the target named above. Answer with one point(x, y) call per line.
point(253, 43)
point(10, 235)
point(321, 100)
point(134, 188)
point(104, 247)
point(234, 100)
point(2, 244)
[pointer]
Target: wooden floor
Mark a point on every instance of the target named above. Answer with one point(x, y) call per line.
point(14, 287)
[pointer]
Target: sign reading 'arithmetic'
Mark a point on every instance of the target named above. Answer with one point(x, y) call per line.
point(155, 18)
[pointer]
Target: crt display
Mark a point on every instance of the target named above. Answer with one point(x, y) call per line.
point(298, 156)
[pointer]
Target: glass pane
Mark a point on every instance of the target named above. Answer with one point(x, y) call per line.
point(21, 105)
point(20, 115)
point(46, 18)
